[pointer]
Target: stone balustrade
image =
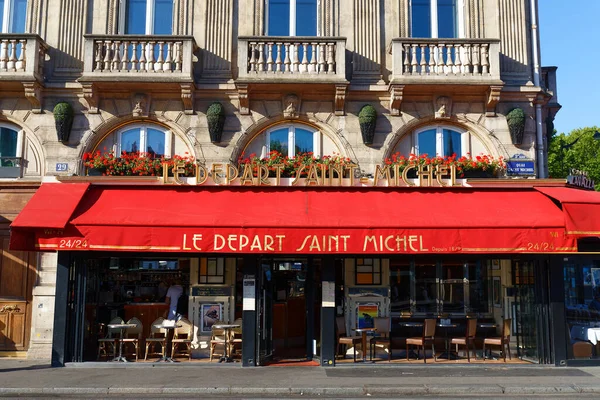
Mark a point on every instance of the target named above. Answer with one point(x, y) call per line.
point(22, 56)
point(292, 58)
point(138, 57)
point(445, 59)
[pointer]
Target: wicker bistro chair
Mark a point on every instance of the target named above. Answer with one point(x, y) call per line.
point(468, 339)
point(183, 335)
point(503, 341)
point(236, 339)
point(428, 337)
point(158, 336)
point(382, 325)
point(110, 339)
point(344, 340)
point(134, 335)
point(217, 341)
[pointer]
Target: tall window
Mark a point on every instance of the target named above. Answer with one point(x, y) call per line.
point(146, 17)
point(145, 139)
point(12, 16)
point(435, 18)
point(291, 17)
point(439, 141)
point(11, 151)
point(290, 140)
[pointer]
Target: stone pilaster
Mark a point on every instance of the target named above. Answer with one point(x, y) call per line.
point(218, 45)
point(67, 59)
point(514, 45)
point(366, 64)
point(42, 319)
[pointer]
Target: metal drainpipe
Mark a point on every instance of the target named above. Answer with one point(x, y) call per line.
point(536, 82)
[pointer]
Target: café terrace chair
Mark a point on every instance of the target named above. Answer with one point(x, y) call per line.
point(503, 341)
point(110, 339)
point(133, 335)
point(468, 339)
point(382, 326)
point(344, 340)
point(158, 336)
point(427, 337)
point(217, 341)
point(183, 335)
point(236, 339)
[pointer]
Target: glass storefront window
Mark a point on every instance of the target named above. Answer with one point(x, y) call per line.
point(479, 287)
point(452, 288)
point(400, 285)
point(426, 290)
point(582, 308)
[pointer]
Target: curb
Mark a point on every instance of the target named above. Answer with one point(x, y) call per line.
point(359, 391)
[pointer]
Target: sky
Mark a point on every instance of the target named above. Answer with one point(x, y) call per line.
point(570, 40)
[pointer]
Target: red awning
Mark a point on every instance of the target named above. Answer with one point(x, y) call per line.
point(581, 209)
point(311, 220)
point(50, 208)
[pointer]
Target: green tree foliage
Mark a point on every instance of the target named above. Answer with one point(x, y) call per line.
point(576, 150)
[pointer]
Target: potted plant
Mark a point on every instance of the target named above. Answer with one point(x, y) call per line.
point(63, 120)
point(367, 117)
point(516, 124)
point(216, 120)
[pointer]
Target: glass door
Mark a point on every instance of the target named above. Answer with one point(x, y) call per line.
point(264, 315)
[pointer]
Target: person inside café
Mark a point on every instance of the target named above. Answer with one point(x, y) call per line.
point(173, 294)
point(595, 303)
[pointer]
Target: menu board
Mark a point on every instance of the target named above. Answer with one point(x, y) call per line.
point(211, 291)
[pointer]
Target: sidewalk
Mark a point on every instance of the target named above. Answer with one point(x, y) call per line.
point(20, 377)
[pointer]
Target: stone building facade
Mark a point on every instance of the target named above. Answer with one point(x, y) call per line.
point(459, 65)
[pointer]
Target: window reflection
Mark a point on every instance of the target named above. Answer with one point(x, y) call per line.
point(135, 17)
point(427, 142)
point(155, 144)
point(163, 17)
point(400, 286)
point(452, 290)
point(451, 143)
point(479, 300)
point(446, 10)
point(130, 141)
point(425, 287)
point(421, 18)
point(279, 141)
point(303, 141)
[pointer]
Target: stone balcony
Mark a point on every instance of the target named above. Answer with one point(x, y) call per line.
point(472, 64)
point(22, 59)
point(131, 60)
point(264, 61)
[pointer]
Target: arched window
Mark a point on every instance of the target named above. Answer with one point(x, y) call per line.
point(145, 139)
point(11, 151)
point(440, 140)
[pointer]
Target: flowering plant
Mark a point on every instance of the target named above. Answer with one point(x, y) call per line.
point(482, 163)
point(136, 163)
point(293, 165)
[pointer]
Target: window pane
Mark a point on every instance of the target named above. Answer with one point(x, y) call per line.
point(400, 286)
point(478, 288)
point(364, 279)
point(279, 141)
point(451, 143)
point(135, 17)
point(447, 19)
point(155, 142)
point(303, 140)
point(8, 146)
point(425, 286)
point(426, 142)
point(452, 289)
point(306, 17)
point(130, 141)
point(1, 14)
point(279, 18)
point(421, 19)
point(18, 16)
point(163, 17)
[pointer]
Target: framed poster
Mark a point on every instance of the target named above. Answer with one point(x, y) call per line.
point(496, 292)
point(366, 312)
point(495, 264)
point(210, 313)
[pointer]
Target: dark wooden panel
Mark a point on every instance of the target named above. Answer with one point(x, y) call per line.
point(13, 273)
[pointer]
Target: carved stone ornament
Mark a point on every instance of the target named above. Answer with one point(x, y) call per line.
point(291, 106)
point(33, 94)
point(396, 94)
point(493, 97)
point(340, 99)
point(187, 97)
point(443, 107)
point(243, 98)
point(141, 105)
point(90, 96)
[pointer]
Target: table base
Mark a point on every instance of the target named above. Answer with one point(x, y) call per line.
point(449, 355)
point(119, 359)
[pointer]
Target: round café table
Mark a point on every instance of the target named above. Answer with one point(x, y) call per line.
point(487, 325)
point(363, 332)
point(226, 328)
point(412, 324)
point(170, 328)
point(448, 355)
point(121, 328)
